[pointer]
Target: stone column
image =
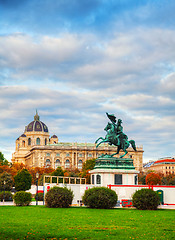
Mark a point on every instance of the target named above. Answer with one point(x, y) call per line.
point(76, 159)
point(73, 160)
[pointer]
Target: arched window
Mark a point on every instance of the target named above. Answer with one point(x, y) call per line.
point(38, 141)
point(92, 179)
point(67, 164)
point(23, 143)
point(80, 164)
point(45, 141)
point(98, 179)
point(57, 163)
point(48, 163)
point(29, 141)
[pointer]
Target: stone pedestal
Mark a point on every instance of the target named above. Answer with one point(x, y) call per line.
point(114, 171)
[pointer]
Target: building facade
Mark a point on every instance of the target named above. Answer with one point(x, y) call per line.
point(165, 166)
point(35, 148)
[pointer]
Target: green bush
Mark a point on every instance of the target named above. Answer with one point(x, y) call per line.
point(40, 196)
point(58, 197)
point(146, 199)
point(8, 196)
point(22, 198)
point(100, 197)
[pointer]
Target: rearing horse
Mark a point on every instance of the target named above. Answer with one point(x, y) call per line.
point(118, 139)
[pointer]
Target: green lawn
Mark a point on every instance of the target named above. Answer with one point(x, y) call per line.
point(39, 222)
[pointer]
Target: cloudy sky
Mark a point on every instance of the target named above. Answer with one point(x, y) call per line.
point(74, 60)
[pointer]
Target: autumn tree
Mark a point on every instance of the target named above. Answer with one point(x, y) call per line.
point(153, 179)
point(72, 173)
point(142, 179)
point(4, 168)
point(168, 180)
point(58, 172)
point(88, 165)
point(15, 168)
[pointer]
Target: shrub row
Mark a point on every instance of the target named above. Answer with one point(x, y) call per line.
point(97, 197)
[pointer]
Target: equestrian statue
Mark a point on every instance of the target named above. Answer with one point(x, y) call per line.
point(115, 136)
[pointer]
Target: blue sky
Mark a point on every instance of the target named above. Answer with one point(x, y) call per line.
point(75, 60)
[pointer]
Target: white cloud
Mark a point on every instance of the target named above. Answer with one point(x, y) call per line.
point(168, 83)
point(74, 79)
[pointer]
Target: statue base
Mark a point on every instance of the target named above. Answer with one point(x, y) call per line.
point(107, 162)
point(115, 171)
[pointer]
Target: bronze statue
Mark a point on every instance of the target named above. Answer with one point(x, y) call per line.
point(115, 136)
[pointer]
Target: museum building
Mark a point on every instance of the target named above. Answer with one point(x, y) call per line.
point(35, 148)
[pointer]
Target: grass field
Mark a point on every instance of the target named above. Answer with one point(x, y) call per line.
point(39, 222)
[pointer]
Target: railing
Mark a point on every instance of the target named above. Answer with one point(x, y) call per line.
point(64, 180)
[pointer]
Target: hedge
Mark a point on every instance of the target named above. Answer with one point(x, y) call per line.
point(22, 198)
point(146, 199)
point(58, 197)
point(100, 197)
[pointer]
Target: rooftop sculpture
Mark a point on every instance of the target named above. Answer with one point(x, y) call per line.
point(116, 137)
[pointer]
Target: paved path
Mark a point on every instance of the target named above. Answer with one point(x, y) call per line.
point(41, 203)
point(166, 207)
point(12, 203)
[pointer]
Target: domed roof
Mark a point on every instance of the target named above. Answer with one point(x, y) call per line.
point(36, 125)
point(54, 136)
point(23, 135)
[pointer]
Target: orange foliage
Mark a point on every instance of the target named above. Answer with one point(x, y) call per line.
point(153, 179)
point(66, 174)
point(13, 169)
point(4, 168)
point(40, 170)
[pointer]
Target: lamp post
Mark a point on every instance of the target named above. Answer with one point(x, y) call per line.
point(4, 191)
point(37, 176)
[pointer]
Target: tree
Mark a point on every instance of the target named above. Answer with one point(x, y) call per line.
point(164, 181)
point(58, 172)
point(168, 180)
point(15, 168)
point(7, 177)
point(89, 164)
point(4, 168)
point(153, 179)
point(142, 179)
point(172, 181)
point(23, 180)
point(3, 161)
point(86, 174)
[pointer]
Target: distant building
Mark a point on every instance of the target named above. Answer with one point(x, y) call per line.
point(35, 148)
point(165, 166)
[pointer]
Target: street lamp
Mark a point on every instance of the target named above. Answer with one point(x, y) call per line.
point(4, 191)
point(37, 176)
